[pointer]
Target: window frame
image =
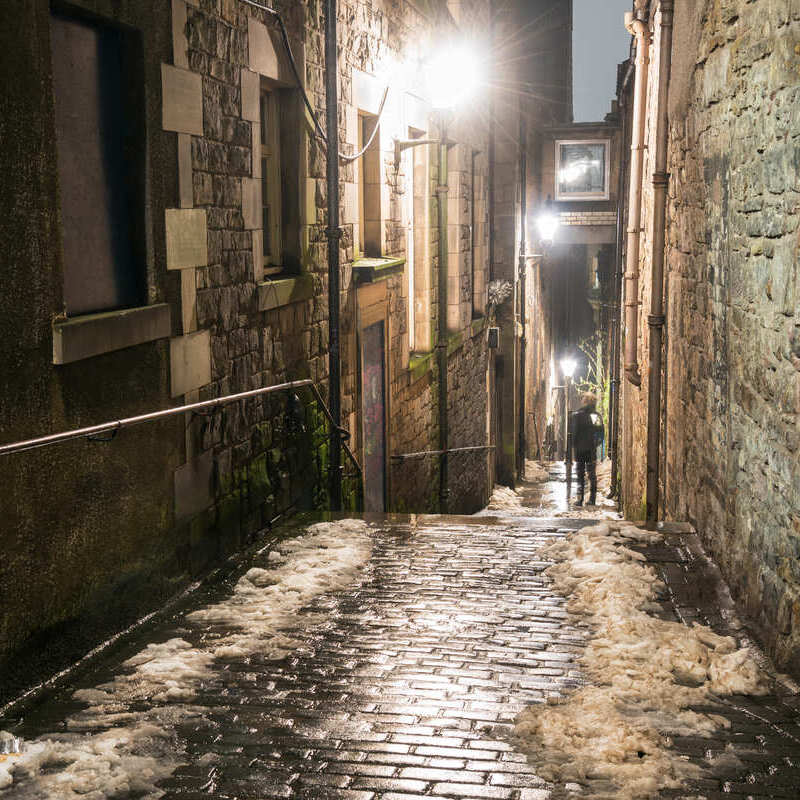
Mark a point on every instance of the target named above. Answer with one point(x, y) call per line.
point(567, 196)
point(271, 180)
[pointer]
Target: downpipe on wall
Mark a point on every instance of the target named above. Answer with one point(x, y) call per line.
point(334, 233)
point(655, 319)
point(616, 330)
point(441, 344)
point(523, 274)
point(637, 28)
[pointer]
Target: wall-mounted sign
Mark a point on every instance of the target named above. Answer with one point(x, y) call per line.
point(582, 169)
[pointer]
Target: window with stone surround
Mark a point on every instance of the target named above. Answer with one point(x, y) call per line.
point(98, 88)
point(369, 188)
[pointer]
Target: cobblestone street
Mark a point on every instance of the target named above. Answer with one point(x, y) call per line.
point(407, 685)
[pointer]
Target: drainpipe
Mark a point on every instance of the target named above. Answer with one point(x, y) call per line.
point(441, 344)
point(655, 320)
point(523, 272)
point(637, 28)
point(616, 329)
point(332, 125)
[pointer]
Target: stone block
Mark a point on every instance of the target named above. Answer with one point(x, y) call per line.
point(255, 145)
point(367, 92)
point(180, 45)
point(189, 300)
point(350, 205)
point(417, 112)
point(193, 486)
point(258, 254)
point(251, 95)
point(263, 54)
point(182, 100)
point(190, 362)
point(251, 203)
point(187, 238)
point(185, 187)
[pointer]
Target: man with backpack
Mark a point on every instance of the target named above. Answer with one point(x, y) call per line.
point(586, 429)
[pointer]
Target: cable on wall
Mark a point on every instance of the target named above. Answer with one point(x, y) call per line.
point(296, 72)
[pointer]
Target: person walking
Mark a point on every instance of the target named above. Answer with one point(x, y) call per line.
point(586, 429)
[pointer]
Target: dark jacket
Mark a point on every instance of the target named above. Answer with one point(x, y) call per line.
point(586, 427)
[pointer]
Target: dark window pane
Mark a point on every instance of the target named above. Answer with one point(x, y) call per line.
point(93, 126)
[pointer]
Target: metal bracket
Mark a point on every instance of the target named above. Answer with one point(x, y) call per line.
point(656, 320)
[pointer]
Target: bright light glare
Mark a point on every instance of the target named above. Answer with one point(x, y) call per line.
point(453, 76)
point(548, 224)
point(568, 367)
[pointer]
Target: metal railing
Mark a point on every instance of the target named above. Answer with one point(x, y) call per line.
point(423, 453)
point(93, 431)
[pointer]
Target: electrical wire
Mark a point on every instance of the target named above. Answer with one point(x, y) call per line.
point(296, 72)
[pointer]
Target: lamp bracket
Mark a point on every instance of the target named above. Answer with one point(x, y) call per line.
point(400, 145)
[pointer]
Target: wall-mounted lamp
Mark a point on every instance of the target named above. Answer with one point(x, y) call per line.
point(568, 366)
point(453, 75)
point(547, 223)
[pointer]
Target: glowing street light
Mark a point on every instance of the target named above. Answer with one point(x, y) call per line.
point(453, 75)
point(568, 366)
point(547, 223)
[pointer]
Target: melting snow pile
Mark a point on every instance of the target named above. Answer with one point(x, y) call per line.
point(113, 747)
point(534, 471)
point(504, 499)
point(646, 674)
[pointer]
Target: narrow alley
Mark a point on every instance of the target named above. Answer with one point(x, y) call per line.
point(395, 659)
point(399, 399)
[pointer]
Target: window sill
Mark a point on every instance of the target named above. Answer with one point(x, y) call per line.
point(284, 291)
point(370, 270)
point(94, 334)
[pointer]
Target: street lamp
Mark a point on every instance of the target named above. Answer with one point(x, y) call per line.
point(547, 223)
point(453, 75)
point(568, 365)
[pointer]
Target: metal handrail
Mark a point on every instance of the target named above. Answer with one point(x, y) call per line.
point(128, 422)
point(422, 453)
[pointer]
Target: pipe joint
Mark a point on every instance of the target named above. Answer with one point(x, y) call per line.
point(661, 178)
point(633, 375)
point(656, 320)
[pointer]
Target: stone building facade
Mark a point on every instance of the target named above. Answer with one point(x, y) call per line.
point(731, 381)
point(163, 242)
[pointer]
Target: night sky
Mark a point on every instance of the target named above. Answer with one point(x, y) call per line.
point(599, 43)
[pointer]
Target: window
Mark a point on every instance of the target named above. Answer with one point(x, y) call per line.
point(99, 119)
point(271, 182)
point(582, 169)
point(369, 188)
point(418, 266)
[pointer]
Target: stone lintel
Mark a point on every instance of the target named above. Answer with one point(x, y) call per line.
point(93, 334)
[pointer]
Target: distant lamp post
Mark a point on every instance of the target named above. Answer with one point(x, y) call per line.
point(547, 223)
point(568, 366)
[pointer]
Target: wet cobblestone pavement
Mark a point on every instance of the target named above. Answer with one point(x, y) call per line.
point(407, 685)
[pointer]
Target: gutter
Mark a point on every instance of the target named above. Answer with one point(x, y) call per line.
point(655, 320)
point(637, 28)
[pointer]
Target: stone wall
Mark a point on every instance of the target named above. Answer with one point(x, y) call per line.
point(733, 362)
